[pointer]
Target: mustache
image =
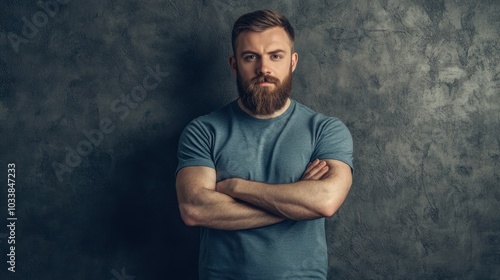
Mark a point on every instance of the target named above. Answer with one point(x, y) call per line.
point(266, 79)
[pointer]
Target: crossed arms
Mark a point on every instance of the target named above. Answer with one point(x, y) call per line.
point(236, 203)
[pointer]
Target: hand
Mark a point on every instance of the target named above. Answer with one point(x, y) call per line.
point(315, 170)
point(226, 186)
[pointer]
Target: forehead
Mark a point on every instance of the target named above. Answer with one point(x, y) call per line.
point(273, 38)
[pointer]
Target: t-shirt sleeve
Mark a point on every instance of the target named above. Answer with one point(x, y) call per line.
point(195, 147)
point(334, 141)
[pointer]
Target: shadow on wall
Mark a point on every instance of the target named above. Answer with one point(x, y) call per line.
point(146, 221)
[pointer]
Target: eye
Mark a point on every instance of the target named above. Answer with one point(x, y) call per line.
point(250, 57)
point(276, 56)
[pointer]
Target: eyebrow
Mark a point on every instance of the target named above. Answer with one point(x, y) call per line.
point(271, 52)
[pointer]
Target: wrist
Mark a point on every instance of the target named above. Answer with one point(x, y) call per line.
point(227, 186)
point(234, 184)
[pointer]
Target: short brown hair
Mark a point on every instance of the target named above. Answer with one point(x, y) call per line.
point(259, 21)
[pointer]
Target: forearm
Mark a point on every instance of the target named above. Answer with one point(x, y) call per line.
point(216, 210)
point(302, 200)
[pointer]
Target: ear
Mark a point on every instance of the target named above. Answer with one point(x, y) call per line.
point(232, 63)
point(295, 60)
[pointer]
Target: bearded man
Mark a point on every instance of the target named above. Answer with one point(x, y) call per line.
point(260, 175)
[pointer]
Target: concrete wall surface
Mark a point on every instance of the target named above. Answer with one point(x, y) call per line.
point(93, 142)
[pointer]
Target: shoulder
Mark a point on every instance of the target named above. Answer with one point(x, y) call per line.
point(212, 120)
point(303, 109)
point(318, 119)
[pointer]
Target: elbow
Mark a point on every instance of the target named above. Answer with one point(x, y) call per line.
point(328, 208)
point(189, 215)
point(328, 211)
point(331, 202)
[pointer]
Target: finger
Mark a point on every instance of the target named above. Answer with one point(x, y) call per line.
point(310, 170)
point(311, 165)
point(318, 175)
point(315, 169)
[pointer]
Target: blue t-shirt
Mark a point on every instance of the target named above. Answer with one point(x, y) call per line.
point(275, 150)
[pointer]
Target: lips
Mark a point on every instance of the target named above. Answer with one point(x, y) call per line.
point(265, 79)
point(265, 83)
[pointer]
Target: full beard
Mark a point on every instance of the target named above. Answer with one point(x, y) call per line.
point(261, 100)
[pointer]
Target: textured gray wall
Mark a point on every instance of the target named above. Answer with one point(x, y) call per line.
point(416, 82)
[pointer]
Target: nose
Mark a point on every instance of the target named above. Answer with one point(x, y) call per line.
point(263, 67)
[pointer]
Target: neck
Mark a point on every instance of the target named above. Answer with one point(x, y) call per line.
point(270, 116)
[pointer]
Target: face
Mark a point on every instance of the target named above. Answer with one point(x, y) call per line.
point(263, 65)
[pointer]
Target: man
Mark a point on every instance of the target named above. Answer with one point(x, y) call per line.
point(261, 174)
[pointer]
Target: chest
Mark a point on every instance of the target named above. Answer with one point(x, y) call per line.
point(274, 153)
